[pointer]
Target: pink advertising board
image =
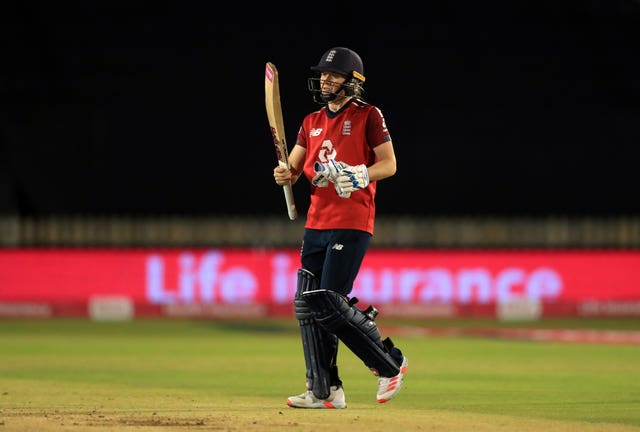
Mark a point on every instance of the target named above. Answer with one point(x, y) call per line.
point(219, 281)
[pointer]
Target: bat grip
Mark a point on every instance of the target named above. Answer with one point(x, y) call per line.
point(291, 206)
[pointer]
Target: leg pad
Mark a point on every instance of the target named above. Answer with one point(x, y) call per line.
point(320, 347)
point(356, 330)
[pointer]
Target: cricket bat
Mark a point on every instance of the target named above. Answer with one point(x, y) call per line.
point(274, 113)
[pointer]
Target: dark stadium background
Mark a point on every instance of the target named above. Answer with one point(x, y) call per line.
point(157, 108)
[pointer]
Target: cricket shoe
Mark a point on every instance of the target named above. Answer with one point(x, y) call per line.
point(307, 399)
point(389, 387)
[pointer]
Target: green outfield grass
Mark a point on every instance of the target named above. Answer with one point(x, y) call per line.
point(76, 375)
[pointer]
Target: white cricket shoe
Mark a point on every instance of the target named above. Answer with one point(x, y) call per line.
point(307, 399)
point(389, 387)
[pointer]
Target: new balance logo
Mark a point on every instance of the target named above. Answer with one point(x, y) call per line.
point(337, 246)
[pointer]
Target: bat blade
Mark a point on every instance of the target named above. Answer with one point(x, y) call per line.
point(276, 124)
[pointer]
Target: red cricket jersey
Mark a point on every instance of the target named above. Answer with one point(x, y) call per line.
point(347, 136)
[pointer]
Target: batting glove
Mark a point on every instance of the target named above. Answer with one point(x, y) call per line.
point(329, 172)
point(341, 192)
point(321, 179)
point(334, 168)
point(352, 178)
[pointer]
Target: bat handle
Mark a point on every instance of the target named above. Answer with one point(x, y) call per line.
point(291, 206)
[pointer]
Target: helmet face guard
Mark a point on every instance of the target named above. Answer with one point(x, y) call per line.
point(351, 88)
point(342, 61)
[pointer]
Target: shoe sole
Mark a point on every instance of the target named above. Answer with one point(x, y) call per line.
point(324, 405)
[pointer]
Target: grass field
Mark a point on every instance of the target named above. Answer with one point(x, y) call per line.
point(163, 375)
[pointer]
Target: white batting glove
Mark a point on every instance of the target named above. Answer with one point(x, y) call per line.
point(321, 179)
point(341, 192)
point(333, 168)
point(352, 178)
point(329, 172)
point(335, 171)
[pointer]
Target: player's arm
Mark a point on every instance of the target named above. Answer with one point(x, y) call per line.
point(296, 164)
point(377, 132)
point(351, 178)
point(385, 165)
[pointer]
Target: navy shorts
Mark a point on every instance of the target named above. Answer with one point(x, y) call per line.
point(334, 256)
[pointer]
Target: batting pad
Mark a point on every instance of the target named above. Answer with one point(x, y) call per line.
point(357, 331)
point(320, 347)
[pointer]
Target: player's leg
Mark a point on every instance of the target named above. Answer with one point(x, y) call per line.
point(320, 347)
point(324, 387)
point(358, 331)
point(361, 335)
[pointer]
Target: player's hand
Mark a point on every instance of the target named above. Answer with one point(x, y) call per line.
point(281, 175)
point(334, 167)
point(341, 193)
point(352, 178)
point(329, 172)
point(321, 179)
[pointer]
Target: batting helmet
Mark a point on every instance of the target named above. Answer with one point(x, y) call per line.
point(343, 61)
